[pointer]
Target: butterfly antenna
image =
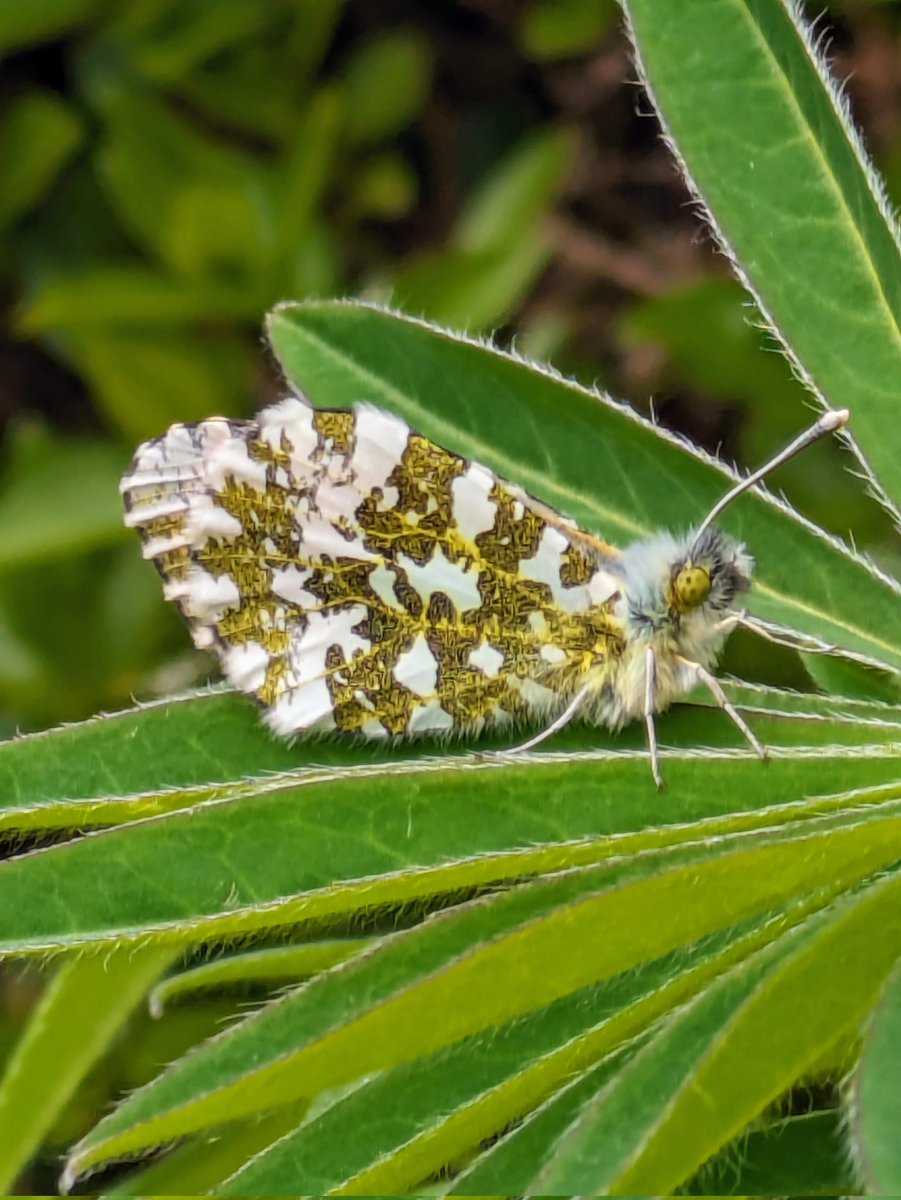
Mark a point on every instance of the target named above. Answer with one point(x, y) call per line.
point(831, 420)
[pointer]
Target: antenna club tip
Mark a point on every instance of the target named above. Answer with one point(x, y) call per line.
point(835, 418)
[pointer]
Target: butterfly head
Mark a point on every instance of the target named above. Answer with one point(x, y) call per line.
point(710, 573)
point(685, 585)
point(680, 585)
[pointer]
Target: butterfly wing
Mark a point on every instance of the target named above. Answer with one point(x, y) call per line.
point(352, 574)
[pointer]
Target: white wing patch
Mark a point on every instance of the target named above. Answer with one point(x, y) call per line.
point(475, 510)
point(417, 668)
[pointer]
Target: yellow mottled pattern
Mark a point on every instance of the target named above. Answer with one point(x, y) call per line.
point(515, 617)
point(335, 428)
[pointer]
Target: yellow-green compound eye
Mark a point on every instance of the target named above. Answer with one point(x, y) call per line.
point(691, 587)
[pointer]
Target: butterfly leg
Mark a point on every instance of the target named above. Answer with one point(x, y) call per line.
point(650, 705)
point(713, 685)
point(732, 622)
point(791, 641)
point(742, 620)
point(564, 719)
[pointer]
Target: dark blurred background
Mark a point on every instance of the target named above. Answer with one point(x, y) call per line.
point(170, 170)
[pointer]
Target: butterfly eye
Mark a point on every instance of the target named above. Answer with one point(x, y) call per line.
point(691, 587)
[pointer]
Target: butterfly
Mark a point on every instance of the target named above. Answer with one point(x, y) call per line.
point(352, 575)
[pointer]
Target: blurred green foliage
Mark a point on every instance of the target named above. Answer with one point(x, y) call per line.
point(199, 163)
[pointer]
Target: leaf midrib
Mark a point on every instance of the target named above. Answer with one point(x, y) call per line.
point(827, 173)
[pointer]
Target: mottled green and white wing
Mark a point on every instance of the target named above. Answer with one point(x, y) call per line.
point(351, 574)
